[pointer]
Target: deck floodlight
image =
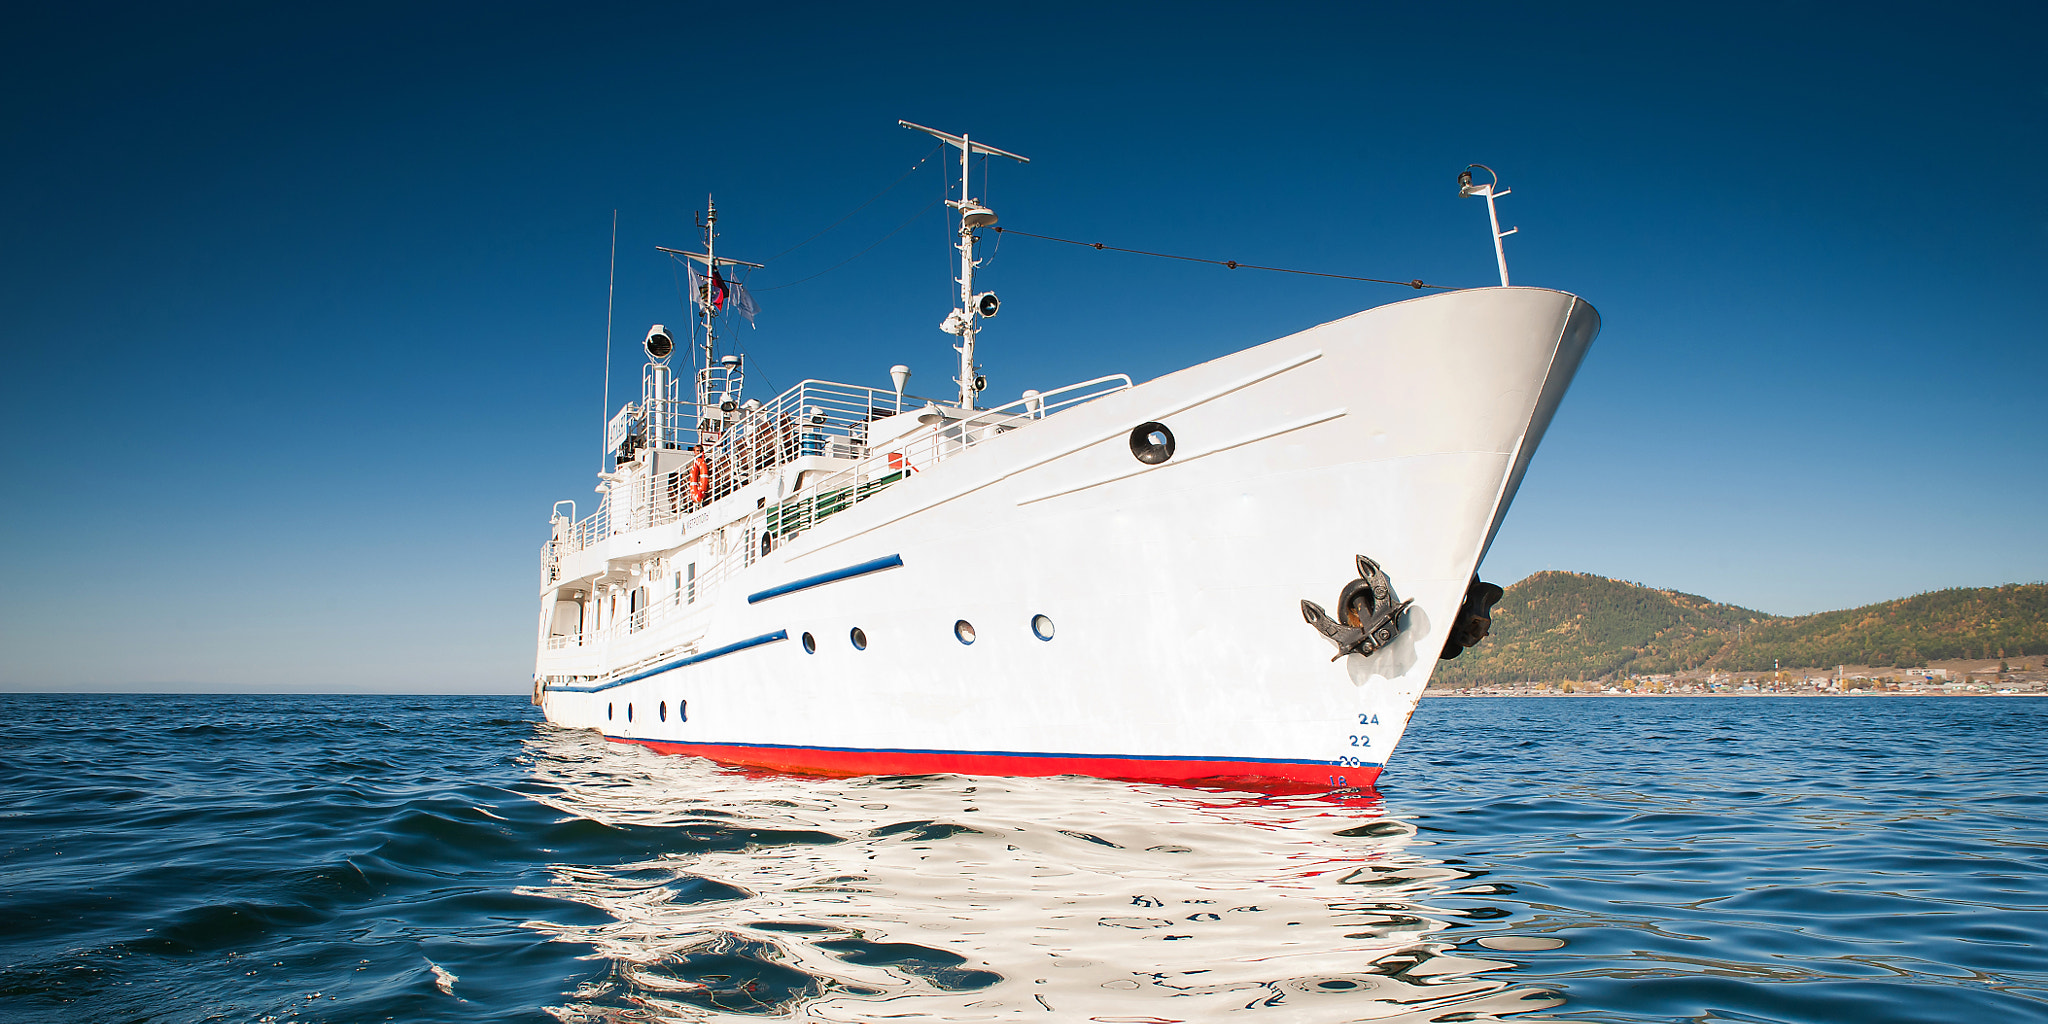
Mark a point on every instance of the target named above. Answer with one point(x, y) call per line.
point(659, 343)
point(986, 304)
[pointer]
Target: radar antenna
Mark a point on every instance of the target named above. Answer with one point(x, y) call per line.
point(973, 215)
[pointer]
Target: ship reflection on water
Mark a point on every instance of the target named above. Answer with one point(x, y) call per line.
point(748, 896)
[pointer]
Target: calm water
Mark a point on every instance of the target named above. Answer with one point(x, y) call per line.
point(417, 859)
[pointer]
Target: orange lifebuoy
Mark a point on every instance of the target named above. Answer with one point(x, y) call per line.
point(700, 480)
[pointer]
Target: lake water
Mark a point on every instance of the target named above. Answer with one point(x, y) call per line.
point(324, 858)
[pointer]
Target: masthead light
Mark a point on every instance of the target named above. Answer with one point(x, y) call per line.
point(1466, 187)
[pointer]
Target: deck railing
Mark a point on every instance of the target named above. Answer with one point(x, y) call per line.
point(815, 418)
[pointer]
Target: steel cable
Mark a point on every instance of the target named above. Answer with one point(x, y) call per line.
point(892, 185)
point(1227, 264)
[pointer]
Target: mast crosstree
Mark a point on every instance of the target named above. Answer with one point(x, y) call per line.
point(963, 321)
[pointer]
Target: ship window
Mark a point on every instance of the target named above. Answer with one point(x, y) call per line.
point(810, 644)
point(859, 637)
point(1152, 443)
point(963, 631)
point(629, 712)
point(664, 711)
point(1041, 627)
point(607, 712)
point(691, 588)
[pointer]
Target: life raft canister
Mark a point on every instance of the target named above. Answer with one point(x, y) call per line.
point(700, 480)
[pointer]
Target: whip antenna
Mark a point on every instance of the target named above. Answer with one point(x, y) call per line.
point(605, 413)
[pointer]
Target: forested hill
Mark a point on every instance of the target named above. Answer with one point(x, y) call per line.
point(1567, 625)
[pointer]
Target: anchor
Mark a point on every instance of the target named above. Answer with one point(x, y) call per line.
point(1371, 618)
point(1475, 618)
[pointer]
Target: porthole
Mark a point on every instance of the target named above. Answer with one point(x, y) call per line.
point(963, 631)
point(859, 637)
point(629, 712)
point(1041, 627)
point(810, 644)
point(682, 711)
point(664, 711)
point(1152, 443)
point(607, 712)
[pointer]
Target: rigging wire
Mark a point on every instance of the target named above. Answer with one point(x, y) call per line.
point(858, 255)
point(1228, 264)
point(946, 235)
point(690, 318)
point(990, 259)
point(857, 209)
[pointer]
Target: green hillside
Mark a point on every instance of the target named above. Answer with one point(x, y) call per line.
point(1565, 625)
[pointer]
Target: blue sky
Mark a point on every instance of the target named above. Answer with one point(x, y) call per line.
point(303, 311)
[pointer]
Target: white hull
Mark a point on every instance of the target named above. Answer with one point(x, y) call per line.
point(1179, 649)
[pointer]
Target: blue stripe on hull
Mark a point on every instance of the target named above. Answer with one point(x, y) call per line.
point(875, 565)
point(732, 648)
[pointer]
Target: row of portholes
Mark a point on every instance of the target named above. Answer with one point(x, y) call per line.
point(963, 631)
point(682, 711)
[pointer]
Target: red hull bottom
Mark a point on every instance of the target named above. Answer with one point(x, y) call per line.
point(1293, 775)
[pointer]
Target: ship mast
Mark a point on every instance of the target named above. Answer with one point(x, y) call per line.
point(709, 222)
point(1492, 191)
point(711, 382)
point(973, 215)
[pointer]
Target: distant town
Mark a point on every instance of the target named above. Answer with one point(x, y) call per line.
point(1995, 677)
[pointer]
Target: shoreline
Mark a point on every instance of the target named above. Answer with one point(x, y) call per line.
point(1462, 693)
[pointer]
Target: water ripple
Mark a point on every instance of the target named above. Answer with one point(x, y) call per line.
point(359, 858)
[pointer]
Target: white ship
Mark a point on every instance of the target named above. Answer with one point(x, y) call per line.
point(1244, 569)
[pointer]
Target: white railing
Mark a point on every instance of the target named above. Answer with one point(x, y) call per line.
point(815, 418)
